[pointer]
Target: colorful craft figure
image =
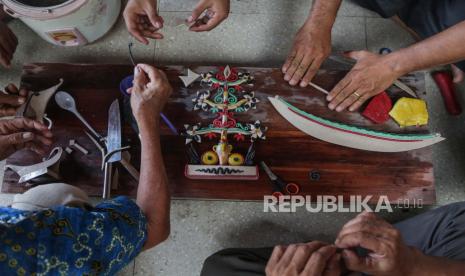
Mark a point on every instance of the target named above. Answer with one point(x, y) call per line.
point(225, 98)
point(410, 112)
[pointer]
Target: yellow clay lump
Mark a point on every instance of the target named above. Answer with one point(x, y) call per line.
point(410, 112)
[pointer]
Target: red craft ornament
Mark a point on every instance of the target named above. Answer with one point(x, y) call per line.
point(210, 135)
point(239, 137)
point(378, 108)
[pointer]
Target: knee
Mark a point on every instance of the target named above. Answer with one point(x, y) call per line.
point(214, 263)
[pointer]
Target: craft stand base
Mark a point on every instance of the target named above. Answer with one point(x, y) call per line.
point(218, 172)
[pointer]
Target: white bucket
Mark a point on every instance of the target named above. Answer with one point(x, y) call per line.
point(66, 22)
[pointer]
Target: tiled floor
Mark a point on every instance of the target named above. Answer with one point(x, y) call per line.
point(257, 33)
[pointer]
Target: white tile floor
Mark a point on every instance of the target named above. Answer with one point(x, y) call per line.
point(257, 33)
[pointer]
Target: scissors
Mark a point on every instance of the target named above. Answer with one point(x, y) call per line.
point(279, 185)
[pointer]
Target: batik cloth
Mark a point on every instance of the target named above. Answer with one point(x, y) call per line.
point(71, 241)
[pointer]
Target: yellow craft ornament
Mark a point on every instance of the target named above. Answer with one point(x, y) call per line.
point(410, 112)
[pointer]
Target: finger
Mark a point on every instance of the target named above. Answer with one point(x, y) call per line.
point(343, 94)
point(131, 23)
point(301, 256)
point(140, 79)
point(210, 25)
point(355, 263)
point(289, 60)
point(7, 111)
point(350, 99)
point(154, 18)
point(28, 124)
point(278, 252)
point(19, 138)
point(197, 12)
point(40, 150)
point(11, 89)
point(318, 260)
point(337, 89)
point(153, 35)
point(287, 256)
point(43, 140)
point(301, 69)
point(12, 100)
point(358, 103)
point(361, 239)
point(333, 267)
point(153, 73)
point(294, 65)
point(23, 92)
point(311, 72)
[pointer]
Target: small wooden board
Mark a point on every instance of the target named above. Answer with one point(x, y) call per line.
point(289, 152)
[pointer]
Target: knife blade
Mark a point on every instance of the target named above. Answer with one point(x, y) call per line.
point(114, 132)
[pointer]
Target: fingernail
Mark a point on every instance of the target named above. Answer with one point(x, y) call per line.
point(21, 100)
point(158, 25)
point(190, 19)
point(27, 135)
point(303, 84)
point(287, 78)
point(136, 71)
point(331, 106)
point(292, 82)
point(328, 98)
point(339, 109)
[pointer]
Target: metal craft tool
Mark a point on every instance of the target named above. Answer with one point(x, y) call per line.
point(279, 184)
point(113, 145)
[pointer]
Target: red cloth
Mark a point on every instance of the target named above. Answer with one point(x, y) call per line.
point(378, 108)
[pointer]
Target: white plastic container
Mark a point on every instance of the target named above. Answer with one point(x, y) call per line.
point(66, 22)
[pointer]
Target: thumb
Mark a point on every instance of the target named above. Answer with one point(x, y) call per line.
point(155, 19)
point(196, 12)
point(19, 138)
point(356, 54)
point(139, 78)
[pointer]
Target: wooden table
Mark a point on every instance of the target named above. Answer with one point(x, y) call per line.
point(289, 152)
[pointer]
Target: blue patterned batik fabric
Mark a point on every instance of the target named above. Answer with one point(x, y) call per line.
point(71, 241)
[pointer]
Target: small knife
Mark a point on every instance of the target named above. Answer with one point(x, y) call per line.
point(113, 143)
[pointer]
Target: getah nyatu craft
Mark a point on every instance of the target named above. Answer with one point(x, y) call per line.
point(350, 136)
point(224, 97)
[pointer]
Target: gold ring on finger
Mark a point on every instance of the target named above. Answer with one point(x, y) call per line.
point(357, 95)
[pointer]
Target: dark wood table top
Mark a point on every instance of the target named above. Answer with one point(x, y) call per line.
point(289, 152)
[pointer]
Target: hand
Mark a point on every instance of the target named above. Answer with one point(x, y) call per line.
point(389, 254)
point(217, 11)
point(150, 92)
point(11, 100)
point(371, 75)
point(312, 46)
point(8, 43)
point(23, 133)
point(142, 20)
point(306, 259)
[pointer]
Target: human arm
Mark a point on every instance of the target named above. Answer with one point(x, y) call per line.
point(8, 44)
point(216, 12)
point(312, 43)
point(389, 255)
point(305, 259)
point(150, 93)
point(142, 20)
point(373, 73)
